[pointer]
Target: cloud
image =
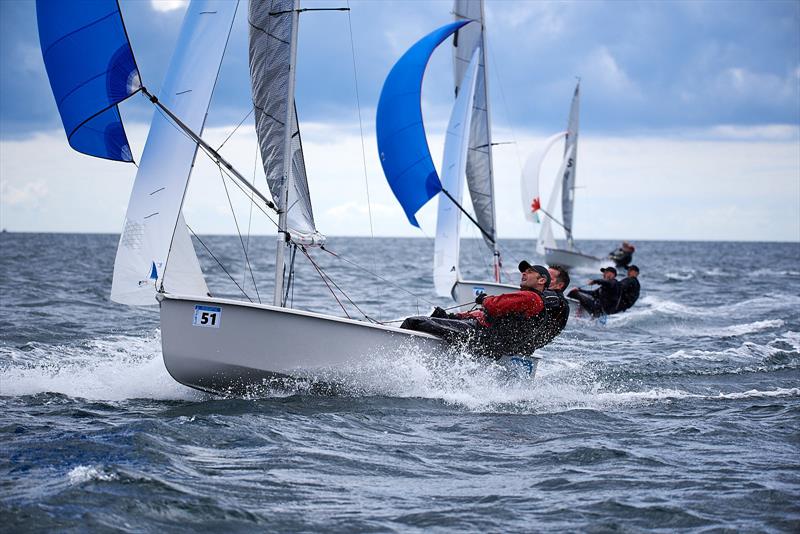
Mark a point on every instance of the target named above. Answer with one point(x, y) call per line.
point(759, 132)
point(168, 5)
point(605, 74)
point(732, 184)
point(28, 194)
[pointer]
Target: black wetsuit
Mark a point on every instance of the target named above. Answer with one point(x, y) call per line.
point(602, 300)
point(621, 257)
point(557, 315)
point(508, 324)
point(629, 293)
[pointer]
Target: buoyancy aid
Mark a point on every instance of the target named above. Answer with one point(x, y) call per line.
point(512, 324)
point(557, 315)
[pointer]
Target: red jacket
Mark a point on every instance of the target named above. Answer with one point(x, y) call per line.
point(528, 303)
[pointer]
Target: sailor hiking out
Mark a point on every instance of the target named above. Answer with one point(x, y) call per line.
point(629, 289)
point(510, 324)
point(603, 300)
point(623, 256)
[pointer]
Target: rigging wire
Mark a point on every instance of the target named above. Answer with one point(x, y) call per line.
point(237, 127)
point(238, 231)
point(344, 294)
point(250, 217)
point(496, 69)
point(326, 282)
point(379, 277)
point(219, 263)
point(363, 148)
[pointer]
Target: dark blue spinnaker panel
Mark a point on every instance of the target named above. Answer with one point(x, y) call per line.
point(91, 69)
point(402, 145)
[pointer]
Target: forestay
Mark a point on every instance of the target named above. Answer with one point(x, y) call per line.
point(568, 183)
point(446, 248)
point(154, 209)
point(91, 69)
point(479, 171)
point(271, 28)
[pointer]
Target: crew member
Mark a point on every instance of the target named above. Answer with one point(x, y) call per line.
point(629, 289)
point(556, 304)
point(623, 255)
point(603, 300)
point(506, 324)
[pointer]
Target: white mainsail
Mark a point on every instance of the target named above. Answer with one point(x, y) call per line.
point(456, 147)
point(154, 209)
point(571, 145)
point(479, 161)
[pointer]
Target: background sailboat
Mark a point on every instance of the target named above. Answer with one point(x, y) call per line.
point(407, 162)
point(546, 245)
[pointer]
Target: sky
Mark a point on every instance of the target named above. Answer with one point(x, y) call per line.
point(690, 117)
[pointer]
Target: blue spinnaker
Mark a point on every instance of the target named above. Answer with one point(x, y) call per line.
point(402, 145)
point(91, 68)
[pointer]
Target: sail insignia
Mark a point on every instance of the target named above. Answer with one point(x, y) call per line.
point(91, 69)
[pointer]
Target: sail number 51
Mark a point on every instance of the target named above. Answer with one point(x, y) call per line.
point(207, 316)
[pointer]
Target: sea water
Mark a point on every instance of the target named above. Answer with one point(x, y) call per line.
point(680, 414)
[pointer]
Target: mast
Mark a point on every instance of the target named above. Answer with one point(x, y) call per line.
point(496, 251)
point(283, 235)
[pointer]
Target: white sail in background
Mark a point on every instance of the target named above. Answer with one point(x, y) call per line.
point(456, 147)
point(270, 69)
point(571, 145)
point(546, 238)
point(154, 209)
point(531, 175)
point(479, 161)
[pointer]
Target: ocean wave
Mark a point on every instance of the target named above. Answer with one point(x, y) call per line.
point(86, 473)
point(754, 393)
point(113, 368)
point(739, 329)
point(678, 276)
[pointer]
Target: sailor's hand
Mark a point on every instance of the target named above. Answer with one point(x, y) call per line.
point(439, 313)
point(591, 282)
point(479, 298)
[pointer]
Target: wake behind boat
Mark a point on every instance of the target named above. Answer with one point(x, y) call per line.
point(208, 343)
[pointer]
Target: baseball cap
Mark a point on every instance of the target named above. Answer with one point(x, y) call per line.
point(542, 270)
point(633, 268)
point(606, 269)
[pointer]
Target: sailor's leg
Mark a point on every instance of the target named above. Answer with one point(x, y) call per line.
point(445, 328)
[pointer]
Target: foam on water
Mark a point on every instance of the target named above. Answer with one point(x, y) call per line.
point(112, 368)
point(86, 473)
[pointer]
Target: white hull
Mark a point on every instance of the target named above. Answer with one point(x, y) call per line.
point(254, 344)
point(569, 259)
point(465, 291)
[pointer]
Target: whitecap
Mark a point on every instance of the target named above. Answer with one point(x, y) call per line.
point(86, 473)
point(112, 368)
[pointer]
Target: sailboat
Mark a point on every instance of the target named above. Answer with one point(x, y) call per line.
point(212, 344)
point(467, 152)
point(546, 245)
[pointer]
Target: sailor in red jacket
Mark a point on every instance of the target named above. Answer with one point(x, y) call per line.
point(527, 301)
point(507, 324)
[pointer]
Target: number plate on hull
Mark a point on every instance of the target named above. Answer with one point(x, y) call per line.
point(207, 316)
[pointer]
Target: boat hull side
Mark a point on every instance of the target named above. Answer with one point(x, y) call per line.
point(464, 291)
point(252, 344)
point(569, 259)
